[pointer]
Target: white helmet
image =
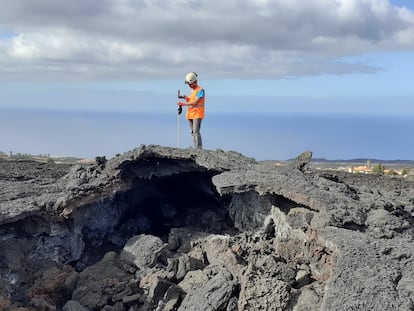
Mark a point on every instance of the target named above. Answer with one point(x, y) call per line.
point(190, 78)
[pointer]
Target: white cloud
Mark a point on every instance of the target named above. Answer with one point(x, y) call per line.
point(126, 39)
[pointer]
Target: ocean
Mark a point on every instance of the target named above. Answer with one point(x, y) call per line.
point(261, 136)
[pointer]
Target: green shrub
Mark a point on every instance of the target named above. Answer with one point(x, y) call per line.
point(378, 169)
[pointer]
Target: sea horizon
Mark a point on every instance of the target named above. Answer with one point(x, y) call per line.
point(263, 136)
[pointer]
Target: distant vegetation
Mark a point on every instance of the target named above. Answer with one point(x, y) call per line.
point(403, 168)
point(364, 160)
point(378, 169)
point(40, 157)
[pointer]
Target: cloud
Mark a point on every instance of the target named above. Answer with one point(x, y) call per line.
point(160, 39)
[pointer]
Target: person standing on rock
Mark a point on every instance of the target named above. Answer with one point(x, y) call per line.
point(195, 111)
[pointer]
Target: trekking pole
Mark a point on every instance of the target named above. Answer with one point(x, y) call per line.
point(180, 110)
point(178, 121)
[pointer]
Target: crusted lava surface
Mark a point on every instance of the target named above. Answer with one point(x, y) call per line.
point(160, 228)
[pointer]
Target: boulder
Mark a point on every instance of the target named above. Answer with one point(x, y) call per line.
point(302, 161)
point(258, 290)
point(143, 250)
point(215, 294)
point(103, 283)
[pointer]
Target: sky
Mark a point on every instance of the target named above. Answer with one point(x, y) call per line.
point(267, 56)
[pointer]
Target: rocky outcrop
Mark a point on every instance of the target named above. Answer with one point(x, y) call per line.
point(162, 229)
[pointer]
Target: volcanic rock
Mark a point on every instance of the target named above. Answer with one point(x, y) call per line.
point(161, 228)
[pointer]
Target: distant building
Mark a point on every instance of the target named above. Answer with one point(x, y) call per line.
point(363, 169)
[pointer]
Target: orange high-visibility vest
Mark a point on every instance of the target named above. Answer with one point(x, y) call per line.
point(196, 111)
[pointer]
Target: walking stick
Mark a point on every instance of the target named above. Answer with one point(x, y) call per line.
point(180, 110)
point(178, 121)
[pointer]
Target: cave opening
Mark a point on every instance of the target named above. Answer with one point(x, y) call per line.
point(155, 206)
point(185, 200)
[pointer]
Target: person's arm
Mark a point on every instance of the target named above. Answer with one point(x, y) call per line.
point(196, 101)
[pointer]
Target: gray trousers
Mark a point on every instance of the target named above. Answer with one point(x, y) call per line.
point(195, 125)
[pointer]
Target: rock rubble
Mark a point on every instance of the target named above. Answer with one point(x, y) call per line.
point(161, 228)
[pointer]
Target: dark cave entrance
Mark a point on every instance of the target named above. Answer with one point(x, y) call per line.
point(185, 200)
point(155, 206)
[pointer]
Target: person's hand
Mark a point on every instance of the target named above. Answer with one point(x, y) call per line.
point(180, 104)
